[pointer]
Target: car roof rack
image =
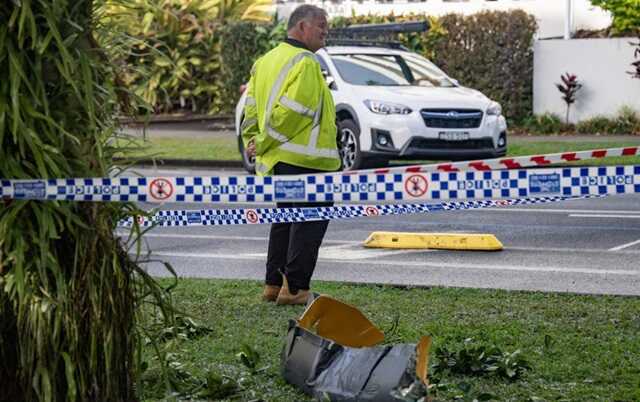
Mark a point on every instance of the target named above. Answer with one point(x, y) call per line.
point(374, 34)
point(366, 43)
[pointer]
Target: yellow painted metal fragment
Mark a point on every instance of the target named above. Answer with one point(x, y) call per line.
point(340, 322)
point(442, 241)
point(422, 358)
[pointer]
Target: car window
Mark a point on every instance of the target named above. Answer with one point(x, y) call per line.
point(426, 73)
point(363, 69)
point(323, 66)
point(389, 70)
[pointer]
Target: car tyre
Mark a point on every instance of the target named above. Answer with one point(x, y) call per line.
point(249, 163)
point(349, 145)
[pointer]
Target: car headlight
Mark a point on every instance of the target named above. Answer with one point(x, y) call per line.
point(494, 109)
point(386, 107)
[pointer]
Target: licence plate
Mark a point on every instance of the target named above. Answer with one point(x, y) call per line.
point(453, 135)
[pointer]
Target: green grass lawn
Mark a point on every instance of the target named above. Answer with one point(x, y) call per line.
point(579, 347)
point(217, 148)
point(185, 148)
point(550, 147)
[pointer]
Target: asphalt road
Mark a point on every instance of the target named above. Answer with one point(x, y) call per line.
point(583, 246)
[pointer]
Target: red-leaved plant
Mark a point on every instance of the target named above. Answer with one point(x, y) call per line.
point(636, 64)
point(569, 87)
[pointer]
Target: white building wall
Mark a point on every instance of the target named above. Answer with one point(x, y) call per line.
point(601, 66)
point(550, 14)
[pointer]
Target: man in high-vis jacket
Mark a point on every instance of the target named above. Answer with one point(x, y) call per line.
point(289, 125)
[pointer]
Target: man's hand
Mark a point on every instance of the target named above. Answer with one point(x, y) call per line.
point(250, 150)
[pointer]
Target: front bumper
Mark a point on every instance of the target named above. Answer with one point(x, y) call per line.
point(428, 148)
point(408, 137)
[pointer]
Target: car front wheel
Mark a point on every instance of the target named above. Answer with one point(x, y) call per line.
point(349, 145)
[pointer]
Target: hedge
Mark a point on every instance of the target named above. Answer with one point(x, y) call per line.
point(492, 52)
point(242, 44)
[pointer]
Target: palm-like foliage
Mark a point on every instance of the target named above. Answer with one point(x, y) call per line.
point(68, 290)
point(170, 49)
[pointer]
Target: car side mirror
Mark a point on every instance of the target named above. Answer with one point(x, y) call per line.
point(331, 82)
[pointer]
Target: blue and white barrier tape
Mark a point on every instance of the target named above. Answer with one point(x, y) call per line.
point(353, 188)
point(248, 216)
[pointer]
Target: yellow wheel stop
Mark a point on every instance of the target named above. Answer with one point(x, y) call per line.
point(442, 241)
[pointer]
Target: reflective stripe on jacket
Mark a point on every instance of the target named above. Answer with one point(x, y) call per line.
point(289, 111)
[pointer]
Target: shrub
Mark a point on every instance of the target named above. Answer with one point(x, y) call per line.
point(242, 43)
point(171, 57)
point(626, 13)
point(596, 125)
point(626, 122)
point(547, 123)
point(420, 42)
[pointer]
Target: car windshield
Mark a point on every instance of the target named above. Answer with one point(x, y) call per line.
point(390, 70)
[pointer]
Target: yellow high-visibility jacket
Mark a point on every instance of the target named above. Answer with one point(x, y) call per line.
point(289, 111)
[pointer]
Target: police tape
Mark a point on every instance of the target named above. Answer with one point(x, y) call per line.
point(249, 216)
point(518, 162)
point(354, 188)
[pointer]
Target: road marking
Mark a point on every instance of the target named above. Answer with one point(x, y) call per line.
point(604, 216)
point(220, 237)
point(350, 252)
point(419, 264)
point(568, 250)
point(623, 246)
point(558, 211)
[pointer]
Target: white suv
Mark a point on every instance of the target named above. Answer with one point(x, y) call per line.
point(395, 104)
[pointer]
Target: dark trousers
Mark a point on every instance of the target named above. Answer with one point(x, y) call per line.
point(293, 247)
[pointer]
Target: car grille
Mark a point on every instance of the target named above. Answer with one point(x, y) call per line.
point(431, 143)
point(452, 118)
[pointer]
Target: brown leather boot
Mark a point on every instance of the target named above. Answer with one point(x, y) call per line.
point(270, 293)
point(286, 297)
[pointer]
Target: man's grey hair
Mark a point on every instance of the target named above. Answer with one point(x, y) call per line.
point(305, 12)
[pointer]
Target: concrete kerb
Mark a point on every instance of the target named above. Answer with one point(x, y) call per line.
point(200, 163)
point(177, 118)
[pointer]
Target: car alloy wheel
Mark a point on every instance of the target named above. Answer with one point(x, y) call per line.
point(348, 148)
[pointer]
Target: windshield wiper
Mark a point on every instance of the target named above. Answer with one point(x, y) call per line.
point(387, 85)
